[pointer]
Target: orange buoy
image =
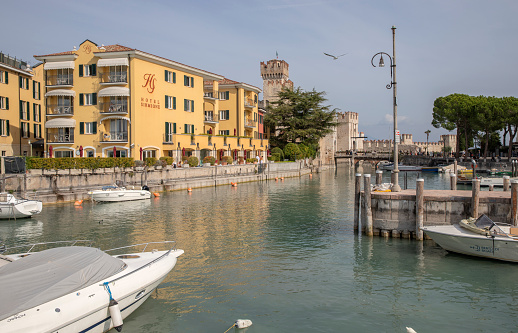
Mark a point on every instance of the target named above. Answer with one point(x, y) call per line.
point(276, 179)
point(78, 203)
point(282, 178)
point(234, 184)
point(189, 189)
point(156, 194)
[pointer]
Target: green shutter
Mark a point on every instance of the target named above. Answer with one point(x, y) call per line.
point(39, 113)
point(6, 78)
point(166, 130)
point(192, 106)
point(94, 127)
point(174, 128)
point(27, 83)
point(35, 130)
point(174, 103)
point(20, 81)
point(81, 99)
point(185, 128)
point(28, 111)
point(166, 102)
point(80, 70)
point(94, 99)
point(34, 89)
point(227, 114)
point(93, 72)
point(165, 74)
point(185, 80)
point(21, 107)
point(174, 77)
point(81, 128)
point(39, 127)
point(185, 104)
point(39, 91)
point(7, 103)
point(7, 127)
point(34, 111)
point(192, 81)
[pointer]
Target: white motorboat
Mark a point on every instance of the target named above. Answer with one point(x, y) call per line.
point(14, 208)
point(496, 182)
point(481, 238)
point(401, 167)
point(114, 193)
point(78, 288)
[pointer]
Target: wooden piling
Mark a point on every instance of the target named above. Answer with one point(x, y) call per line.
point(419, 201)
point(514, 202)
point(396, 233)
point(491, 187)
point(357, 192)
point(379, 176)
point(475, 197)
point(507, 183)
point(367, 203)
point(455, 167)
point(453, 182)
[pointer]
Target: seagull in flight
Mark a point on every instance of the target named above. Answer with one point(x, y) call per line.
point(334, 57)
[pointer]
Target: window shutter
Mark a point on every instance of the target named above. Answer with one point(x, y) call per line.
point(39, 113)
point(35, 130)
point(94, 99)
point(39, 91)
point(227, 116)
point(174, 128)
point(185, 80)
point(192, 81)
point(20, 81)
point(192, 129)
point(174, 77)
point(185, 128)
point(7, 103)
point(81, 99)
point(34, 89)
point(7, 127)
point(6, 78)
point(166, 101)
point(81, 128)
point(174, 103)
point(28, 111)
point(21, 108)
point(39, 128)
point(93, 72)
point(28, 130)
point(34, 111)
point(192, 106)
point(80, 70)
point(165, 75)
point(166, 131)
point(185, 104)
point(27, 83)
point(94, 127)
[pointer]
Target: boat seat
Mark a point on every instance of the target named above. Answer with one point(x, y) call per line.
point(513, 231)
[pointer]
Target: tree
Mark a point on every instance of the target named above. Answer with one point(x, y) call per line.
point(427, 132)
point(299, 117)
point(510, 120)
point(488, 114)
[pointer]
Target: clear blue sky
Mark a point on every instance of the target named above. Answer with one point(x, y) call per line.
point(442, 47)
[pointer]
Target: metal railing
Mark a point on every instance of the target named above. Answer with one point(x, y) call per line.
point(120, 77)
point(60, 138)
point(60, 80)
point(250, 123)
point(114, 136)
point(249, 102)
point(54, 109)
point(13, 62)
point(110, 107)
point(212, 117)
point(211, 94)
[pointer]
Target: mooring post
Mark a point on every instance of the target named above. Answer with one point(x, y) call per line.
point(357, 193)
point(393, 177)
point(514, 202)
point(507, 182)
point(475, 197)
point(368, 204)
point(419, 202)
point(455, 167)
point(453, 182)
point(491, 187)
point(379, 176)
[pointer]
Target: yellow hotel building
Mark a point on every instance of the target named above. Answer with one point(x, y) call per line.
point(21, 101)
point(106, 100)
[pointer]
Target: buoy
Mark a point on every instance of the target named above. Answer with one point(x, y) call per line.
point(189, 189)
point(243, 323)
point(234, 184)
point(282, 178)
point(276, 179)
point(78, 203)
point(156, 194)
point(115, 313)
point(310, 175)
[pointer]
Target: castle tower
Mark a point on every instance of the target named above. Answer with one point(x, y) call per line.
point(276, 75)
point(348, 136)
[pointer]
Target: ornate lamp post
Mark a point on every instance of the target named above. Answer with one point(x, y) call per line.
point(427, 132)
point(392, 85)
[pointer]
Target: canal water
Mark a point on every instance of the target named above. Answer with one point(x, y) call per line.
point(284, 255)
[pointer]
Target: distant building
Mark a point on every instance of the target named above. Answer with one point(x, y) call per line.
point(276, 76)
point(347, 134)
point(408, 146)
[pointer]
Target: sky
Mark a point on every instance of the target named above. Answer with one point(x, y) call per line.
point(442, 47)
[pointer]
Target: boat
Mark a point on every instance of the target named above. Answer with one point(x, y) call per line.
point(481, 237)
point(401, 167)
point(15, 208)
point(496, 182)
point(74, 287)
point(430, 169)
point(114, 193)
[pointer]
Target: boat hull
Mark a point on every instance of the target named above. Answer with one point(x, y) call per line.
point(21, 209)
point(454, 239)
point(120, 195)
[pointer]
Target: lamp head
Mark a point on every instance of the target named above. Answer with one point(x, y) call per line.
point(382, 63)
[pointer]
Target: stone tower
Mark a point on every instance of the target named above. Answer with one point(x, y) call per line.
point(276, 75)
point(348, 136)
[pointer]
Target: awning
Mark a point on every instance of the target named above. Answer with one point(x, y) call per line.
point(61, 92)
point(112, 62)
point(58, 65)
point(60, 123)
point(114, 117)
point(113, 91)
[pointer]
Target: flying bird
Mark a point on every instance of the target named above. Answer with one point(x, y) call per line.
point(334, 57)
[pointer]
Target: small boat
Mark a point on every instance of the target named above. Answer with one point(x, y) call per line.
point(113, 193)
point(15, 208)
point(481, 238)
point(430, 169)
point(78, 288)
point(401, 167)
point(496, 182)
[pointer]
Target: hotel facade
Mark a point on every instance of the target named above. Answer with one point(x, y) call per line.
point(105, 101)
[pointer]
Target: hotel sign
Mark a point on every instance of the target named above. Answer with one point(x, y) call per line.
point(149, 84)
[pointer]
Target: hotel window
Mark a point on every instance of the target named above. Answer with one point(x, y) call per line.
point(25, 130)
point(88, 128)
point(170, 129)
point(225, 132)
point(36, 112)
point(188, 105)
point(24, 83)
point(64, 153)
point(170, 102)
point(224, 114)
point(4, 128)
point(188, 81)
point(224, 95)
point(37, 131)
point(170, 76)
point(4, 103)
point(87, 70)
point(88, 99)
point(24, 110)
point(4, 77)
point(36, 90)
point(189, 129)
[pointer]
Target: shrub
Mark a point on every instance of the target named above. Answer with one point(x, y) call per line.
point(251, 160)
point(79, 163)
point(168, 160)
point(139, 163)
point(276, 157)
point(184, 159)
point(279, 151)
point(161, 163)
point(291, 151)
point(193, 161)
point(227, 159)
point(303, 151)
point(150, 161)
point(209, 159)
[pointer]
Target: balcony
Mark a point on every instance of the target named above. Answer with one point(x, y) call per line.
point(212, 95)
point(60, 138)
point(249, 103)
point(60, 80)
point(211, 118)
point(250, 123)
point(60, 110)
point(114, 136)
point(114, 78)
point(114, 108)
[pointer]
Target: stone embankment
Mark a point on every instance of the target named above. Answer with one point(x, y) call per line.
point(52, 186)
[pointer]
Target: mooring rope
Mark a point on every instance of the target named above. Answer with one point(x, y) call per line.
point(230, 328)
point(108, 289)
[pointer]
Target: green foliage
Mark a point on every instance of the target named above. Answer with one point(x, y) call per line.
point(92, 163)
point(168, 160)
point(251, 160)
point(278, 151)
point(209, 159)
point(193, 161)
point(276, 157)
point(227, 159)
point(299, 116)
point(291, 151)
point(150, 161)
point(184, 159)
point(304, 151)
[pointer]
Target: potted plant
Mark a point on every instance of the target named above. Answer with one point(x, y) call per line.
point(193, 161)
point(208, 160)
point(184, 161)
point(228, 159)
point(241, 160)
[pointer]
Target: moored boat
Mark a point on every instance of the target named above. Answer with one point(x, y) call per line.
point(401, 167)
point(113, 193)
point(14, 208)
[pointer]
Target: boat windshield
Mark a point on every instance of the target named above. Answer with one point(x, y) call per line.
point(484, 222)
point(109, 187)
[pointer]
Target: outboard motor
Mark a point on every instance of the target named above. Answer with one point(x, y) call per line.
point(145, 188)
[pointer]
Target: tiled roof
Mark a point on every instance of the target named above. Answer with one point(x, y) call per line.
point(224, 81)
point(117, 48)
point(56, 54)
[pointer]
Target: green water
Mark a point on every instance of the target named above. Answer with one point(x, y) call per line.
point(284, 255)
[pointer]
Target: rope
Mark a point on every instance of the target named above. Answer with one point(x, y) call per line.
point(108, 289)
point(229, 328)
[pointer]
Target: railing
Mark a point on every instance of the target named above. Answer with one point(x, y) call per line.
point(211, 94)
point(60, 138)
point(249, 102)
point(121, 77)
point(114, 136)
point(54, 109)
point(213, 118)
point(250, 123)
point(60, 80)
point(113, 107)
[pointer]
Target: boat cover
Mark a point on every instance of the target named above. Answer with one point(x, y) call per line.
point(43, 276)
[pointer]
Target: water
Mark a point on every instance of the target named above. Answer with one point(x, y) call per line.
point(284, 255)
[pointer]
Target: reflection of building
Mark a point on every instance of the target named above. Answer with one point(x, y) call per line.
point(114, 100)
point(20, 108)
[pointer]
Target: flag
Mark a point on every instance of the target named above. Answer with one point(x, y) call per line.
point(277, 54)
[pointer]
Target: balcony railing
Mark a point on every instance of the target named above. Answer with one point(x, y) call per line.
point(211, 118)
point(60, 80)
point(121, 77)
point(62, 110)
point(60, 138)
point(114, 136)
point(113, 107)
point(211, 94)
point(250, 123)
point(249, 102)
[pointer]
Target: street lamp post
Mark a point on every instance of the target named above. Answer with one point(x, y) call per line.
point(393, 86)
point(427, 132)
